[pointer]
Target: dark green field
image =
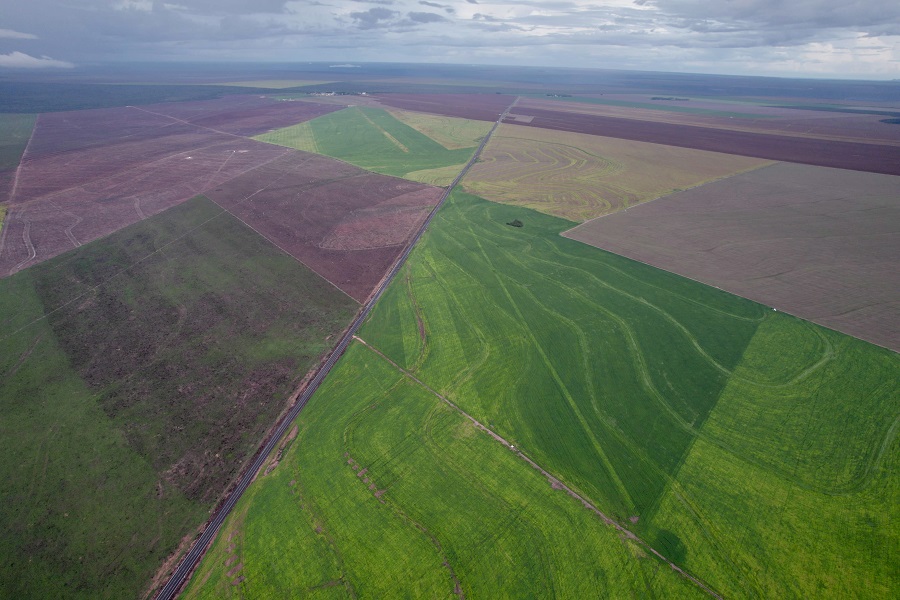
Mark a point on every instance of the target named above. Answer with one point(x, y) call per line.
point(748, 446)
point(15, 131)
point(140, 372)
point(373, 139)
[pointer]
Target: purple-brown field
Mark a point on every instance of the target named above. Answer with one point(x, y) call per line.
point(822, 244)
point(839, 153)
point(243, 115)
point(347, 224)
point(88, 173)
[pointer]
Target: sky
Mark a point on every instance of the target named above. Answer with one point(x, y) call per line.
point(857, 39)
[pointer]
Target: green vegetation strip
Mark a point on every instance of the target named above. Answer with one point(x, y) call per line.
point(15, 131)
point(169, 349)
point(730, 437)
point(373, 139)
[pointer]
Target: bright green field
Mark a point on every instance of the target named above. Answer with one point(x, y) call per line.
point(168, 349)
point(439, 504)
point(751, 447)
point(373, 139)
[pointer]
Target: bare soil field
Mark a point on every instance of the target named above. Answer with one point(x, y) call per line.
point(65, 200)
point(822, 244)
point(875, 158)
point(579, 177)
point(243, 115)
point(780, 120)
point(480, 107)
point(88, 173)
point(347, 224)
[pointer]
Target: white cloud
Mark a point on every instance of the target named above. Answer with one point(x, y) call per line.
point(20, 60)
point(16, 35)
point(140, 5)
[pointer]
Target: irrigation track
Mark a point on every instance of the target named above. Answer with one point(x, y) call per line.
point(198, 549)
point(556, 483)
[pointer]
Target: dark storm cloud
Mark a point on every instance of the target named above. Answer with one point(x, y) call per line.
point(374, 17)
point(448, 9)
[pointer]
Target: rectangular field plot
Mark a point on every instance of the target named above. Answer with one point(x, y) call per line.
point(481, 107)
point(139, 374)
point(374, 139)
point(734, 115)
point(822, 244)
point(578, 177)
point(880, 157)
point(346, 224)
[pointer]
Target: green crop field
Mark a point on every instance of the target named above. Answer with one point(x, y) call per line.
point(748, 446)
point(373, 139)
point(15, 129)
point(388, 492)
point(139, 372)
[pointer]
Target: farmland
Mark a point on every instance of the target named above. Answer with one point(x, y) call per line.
point(374, 139)
point(140, 373)
point(387, 490)
point(15, 130)
point(346, 224)
point(753, 116)
point(480, 107)
point(788, 236)
point(631, 371)
point(837, 153)
point(579, 177)
point(89, 173)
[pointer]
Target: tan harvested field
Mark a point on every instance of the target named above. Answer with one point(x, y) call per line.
point(819, 243)
point(579, 177)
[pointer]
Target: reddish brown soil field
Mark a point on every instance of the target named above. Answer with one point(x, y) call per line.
point(243, 115)
point(482, 107)
point(347, 224)
point(875, 158)
point(88, 173)
point(822, 244)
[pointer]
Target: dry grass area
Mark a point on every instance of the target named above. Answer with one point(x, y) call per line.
point(579, 177)
point(450, 133)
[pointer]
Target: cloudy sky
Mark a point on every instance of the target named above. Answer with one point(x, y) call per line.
point(816, 38)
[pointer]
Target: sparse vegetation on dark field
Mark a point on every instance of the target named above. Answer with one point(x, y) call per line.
point(168, 350)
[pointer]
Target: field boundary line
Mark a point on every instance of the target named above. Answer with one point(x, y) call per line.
point(192, 558)
point(15, 185)
point(554, 481)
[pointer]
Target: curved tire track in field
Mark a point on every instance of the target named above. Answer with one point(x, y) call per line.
point(555, 482)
